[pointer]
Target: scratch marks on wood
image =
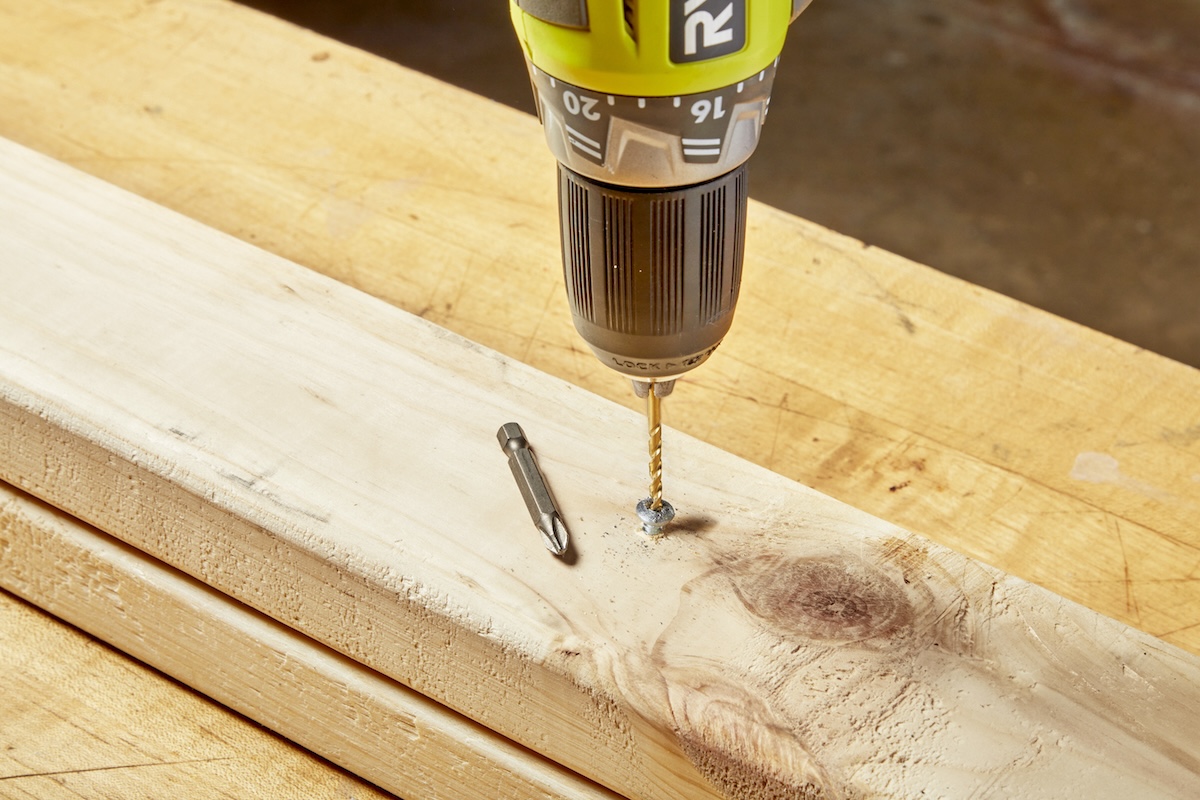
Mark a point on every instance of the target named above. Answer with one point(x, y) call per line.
point(257, 483)
point(1131, 604)
point(58, 773)
point(1182, 437)
point(889, 298)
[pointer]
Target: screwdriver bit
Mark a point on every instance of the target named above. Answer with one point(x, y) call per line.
point(533, 488)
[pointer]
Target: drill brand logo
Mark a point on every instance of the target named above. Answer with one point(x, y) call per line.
point(704, 29)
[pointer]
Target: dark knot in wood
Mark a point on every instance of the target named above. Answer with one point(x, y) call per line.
point(823, 598)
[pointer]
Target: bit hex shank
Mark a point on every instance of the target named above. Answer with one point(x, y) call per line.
point(538, 500)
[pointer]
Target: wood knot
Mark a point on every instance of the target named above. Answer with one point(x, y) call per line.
point(823, 598)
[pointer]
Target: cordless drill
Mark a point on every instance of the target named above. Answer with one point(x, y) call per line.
point(652, 108)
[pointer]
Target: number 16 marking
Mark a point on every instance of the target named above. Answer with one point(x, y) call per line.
point(702, 108)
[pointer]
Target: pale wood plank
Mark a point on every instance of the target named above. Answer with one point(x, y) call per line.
point(331, 461)
point(358, 719)
point(79, 720)
point(1048, 450)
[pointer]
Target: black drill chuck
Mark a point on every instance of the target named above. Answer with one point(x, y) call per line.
point(653, 272)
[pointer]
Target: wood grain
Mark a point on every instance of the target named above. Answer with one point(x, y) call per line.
point(79, 720)
point(380, 730)
point(331, 461)
point(1048, 450)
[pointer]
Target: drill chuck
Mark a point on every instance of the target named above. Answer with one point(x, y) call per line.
point(652, 275)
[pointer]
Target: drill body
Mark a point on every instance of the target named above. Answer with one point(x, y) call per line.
point(652, 108)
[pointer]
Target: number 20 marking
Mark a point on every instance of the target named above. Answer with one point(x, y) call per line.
point(702, 108)
point(577, 105)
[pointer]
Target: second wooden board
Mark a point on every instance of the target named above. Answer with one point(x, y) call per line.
point(351, 715)
point(332, 462)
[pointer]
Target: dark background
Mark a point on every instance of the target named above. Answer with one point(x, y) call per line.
point(1047, 149)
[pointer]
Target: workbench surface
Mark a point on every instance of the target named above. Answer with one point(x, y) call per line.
point(1051, 451)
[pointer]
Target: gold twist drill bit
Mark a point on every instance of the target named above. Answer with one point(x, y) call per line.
point(653, 511)
point(654, 422)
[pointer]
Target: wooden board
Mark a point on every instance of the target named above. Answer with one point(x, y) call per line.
point(79, 720)
point(332, 462)
point(1040, 447)
point(353, 716)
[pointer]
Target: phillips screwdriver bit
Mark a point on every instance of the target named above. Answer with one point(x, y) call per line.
point(533, 488)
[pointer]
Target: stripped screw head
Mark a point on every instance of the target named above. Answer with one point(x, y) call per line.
point(653, 520)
